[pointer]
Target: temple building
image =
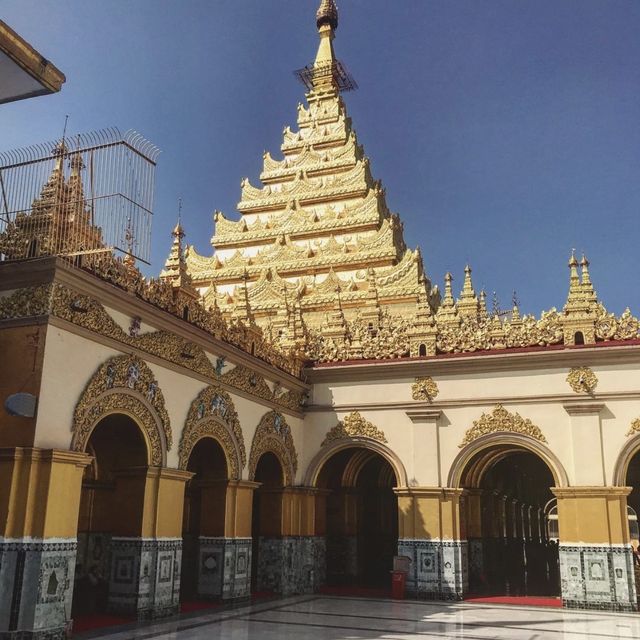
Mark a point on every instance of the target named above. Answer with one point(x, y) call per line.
point(292, 412)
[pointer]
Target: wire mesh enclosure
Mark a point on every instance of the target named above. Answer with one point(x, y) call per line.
point(87, 194)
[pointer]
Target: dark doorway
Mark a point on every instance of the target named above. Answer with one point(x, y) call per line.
point(510, 549)
point(266, 517)
point(203, 519)
point(360, 519)
point(108, 507)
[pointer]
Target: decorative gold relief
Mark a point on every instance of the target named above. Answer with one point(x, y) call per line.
point(354, 426)
point(123, 384)
point(249, 381)
point(86, 312)
point(424, 388)
point(582, 380)
point(634, 428)
point(274, 435)
point(86, 417)
point(26, 303)
point(500, 420)
point(213, 414)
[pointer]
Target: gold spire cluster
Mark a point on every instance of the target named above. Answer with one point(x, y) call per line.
point(465, 326)
point(317, 228)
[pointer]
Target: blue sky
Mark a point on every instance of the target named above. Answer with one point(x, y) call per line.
point(505, 131)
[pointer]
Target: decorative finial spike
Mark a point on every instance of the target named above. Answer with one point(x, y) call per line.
point(327, 14)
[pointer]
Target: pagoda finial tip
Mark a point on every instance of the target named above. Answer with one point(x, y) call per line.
point(327, 14)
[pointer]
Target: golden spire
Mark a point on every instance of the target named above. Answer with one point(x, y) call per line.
point(448, 301)
point(175, 268)
point(327, 14)
point(448, 311)
point(482, 306)
point(468, 303)
point(327, 73)
point(587, 285)
point(327, 21)
point(574, 278)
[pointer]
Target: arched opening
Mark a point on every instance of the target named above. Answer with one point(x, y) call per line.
point(633, 508)
point(422, 351)
point(111, 504)
point(358, 514)
point(511, 523)
point(578, 338)
point(185, 313)
point(203, 524)
point(266, 522)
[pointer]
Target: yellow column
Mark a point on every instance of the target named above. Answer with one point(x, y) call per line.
point(39, 504)
point(151, 502)
point(40, 494)
point(239, 508)
point(593, 515)
point(596, 561)
point(432, 534)
point(429, 512)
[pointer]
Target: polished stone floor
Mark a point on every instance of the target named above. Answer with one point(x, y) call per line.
point(338, 618)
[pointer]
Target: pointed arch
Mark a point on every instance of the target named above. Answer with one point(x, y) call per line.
point(273, 435)
point(212, 414)
point(124, 384)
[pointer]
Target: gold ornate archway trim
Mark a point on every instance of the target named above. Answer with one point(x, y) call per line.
point(124, 384)
point(273, 435)
point(120, 401)
point(501, 420)
point(212, 414)
point(352, 426)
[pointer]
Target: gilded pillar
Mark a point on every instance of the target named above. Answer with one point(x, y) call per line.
point(39, 504)
point(596, 561)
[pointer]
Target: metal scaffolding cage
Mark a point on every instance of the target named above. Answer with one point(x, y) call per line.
point(86, 194)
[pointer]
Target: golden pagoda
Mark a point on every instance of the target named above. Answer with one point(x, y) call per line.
point(59, 221)
point(316, 241)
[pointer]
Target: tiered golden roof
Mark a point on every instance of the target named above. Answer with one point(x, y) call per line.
point(317, 228)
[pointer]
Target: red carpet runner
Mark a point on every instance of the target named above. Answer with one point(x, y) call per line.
point(523, 601)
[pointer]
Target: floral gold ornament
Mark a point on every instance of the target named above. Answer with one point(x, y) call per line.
point(352, 426)
point(424, 388)
point(634, 428)
point(273, 435)
point(582, 380)
point(213, 414)
point(25, 303)
point(501, 420)
point(124, 384)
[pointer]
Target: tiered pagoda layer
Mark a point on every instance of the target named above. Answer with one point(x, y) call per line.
point(317, 238)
